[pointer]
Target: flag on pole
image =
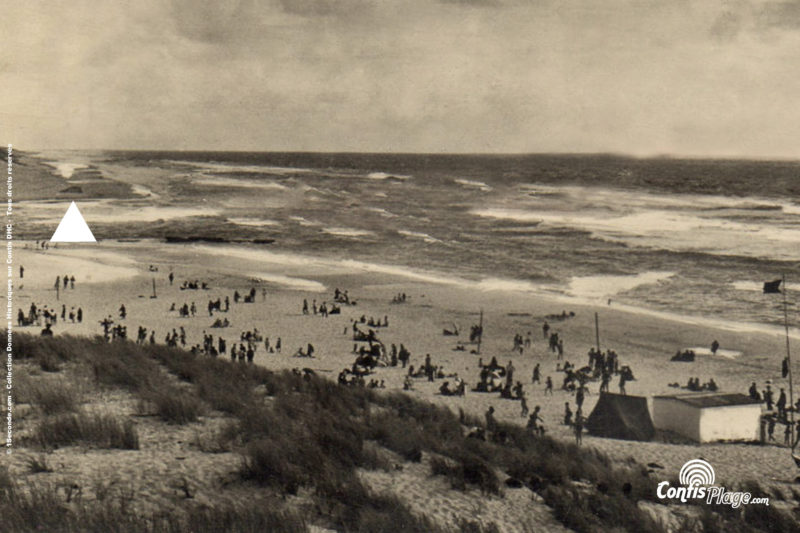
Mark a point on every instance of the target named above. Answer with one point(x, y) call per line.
point(771, 287)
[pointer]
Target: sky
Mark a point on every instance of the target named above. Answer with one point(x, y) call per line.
point(641, 77)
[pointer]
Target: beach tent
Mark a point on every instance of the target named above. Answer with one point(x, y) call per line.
point(619, 416)
point(708, 417)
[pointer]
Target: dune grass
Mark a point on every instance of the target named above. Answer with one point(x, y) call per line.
point(43, 508)
point(297, 432)
point(102, 430)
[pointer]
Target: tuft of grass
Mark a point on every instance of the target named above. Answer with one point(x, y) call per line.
point(172, 407)
point(101, 430)
point(474, 526)
point(38, 465)
point(467, 470)
point(53, 397)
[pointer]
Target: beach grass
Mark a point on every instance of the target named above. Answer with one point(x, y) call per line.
point(303, 434)
point(102, 430)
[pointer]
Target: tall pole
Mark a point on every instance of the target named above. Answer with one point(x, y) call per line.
point(597, 331)
point(788, 358)
point(480, 332)
point(154, 287)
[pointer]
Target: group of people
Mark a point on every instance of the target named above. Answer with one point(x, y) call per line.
point(322, 309)
point(67, 281)
point(36, 315)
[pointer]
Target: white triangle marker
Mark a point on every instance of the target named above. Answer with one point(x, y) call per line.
point(73, 227)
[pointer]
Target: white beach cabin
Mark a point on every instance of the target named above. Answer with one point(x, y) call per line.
point(708, 417)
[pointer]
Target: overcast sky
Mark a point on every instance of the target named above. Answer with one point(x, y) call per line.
point(642, 77)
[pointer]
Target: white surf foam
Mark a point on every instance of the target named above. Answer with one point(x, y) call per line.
point(304, 222)
point(473, 184)
point(417, 235)
point(241, 184)
point(66, 170)
point(602, 287)
point(668, 230)
point(242, 169)
point(347, 232)
point(385, 176)
point(250, 221)
point(381, 211)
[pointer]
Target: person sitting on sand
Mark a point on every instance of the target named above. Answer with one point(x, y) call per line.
point(444, 390)
point(408, 383)
point(533, 422)
point(567, 414)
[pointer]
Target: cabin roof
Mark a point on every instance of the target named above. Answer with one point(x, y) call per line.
point(713, 399)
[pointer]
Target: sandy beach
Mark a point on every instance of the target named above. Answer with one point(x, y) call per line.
point(120, 274)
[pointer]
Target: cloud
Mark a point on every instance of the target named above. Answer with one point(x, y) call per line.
point(726, 27)
point(419, 75)
point(784, 15)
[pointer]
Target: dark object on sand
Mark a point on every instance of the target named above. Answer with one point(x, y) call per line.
point(686, 356)
point(619, 416)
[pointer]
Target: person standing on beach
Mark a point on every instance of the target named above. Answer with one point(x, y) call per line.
point(622, 384)
point(549, 386)
point(80, 315)
point(122, 312)
point(781, 405)
point(491, 423)
point(536, 374)
point(578, 428)
point(171, 278)
point(72, 282)
point(21, 272)
point(545, 329)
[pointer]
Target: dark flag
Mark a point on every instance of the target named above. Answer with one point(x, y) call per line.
point(772, 286)
point(785, 367)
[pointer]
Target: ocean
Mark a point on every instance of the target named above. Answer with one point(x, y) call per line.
point(690, 238)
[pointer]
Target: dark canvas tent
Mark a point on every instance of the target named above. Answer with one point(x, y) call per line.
point(619, 416)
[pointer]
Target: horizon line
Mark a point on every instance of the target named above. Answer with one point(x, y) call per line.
point(609, 154)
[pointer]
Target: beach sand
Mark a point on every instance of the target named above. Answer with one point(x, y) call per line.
point(120, 275)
